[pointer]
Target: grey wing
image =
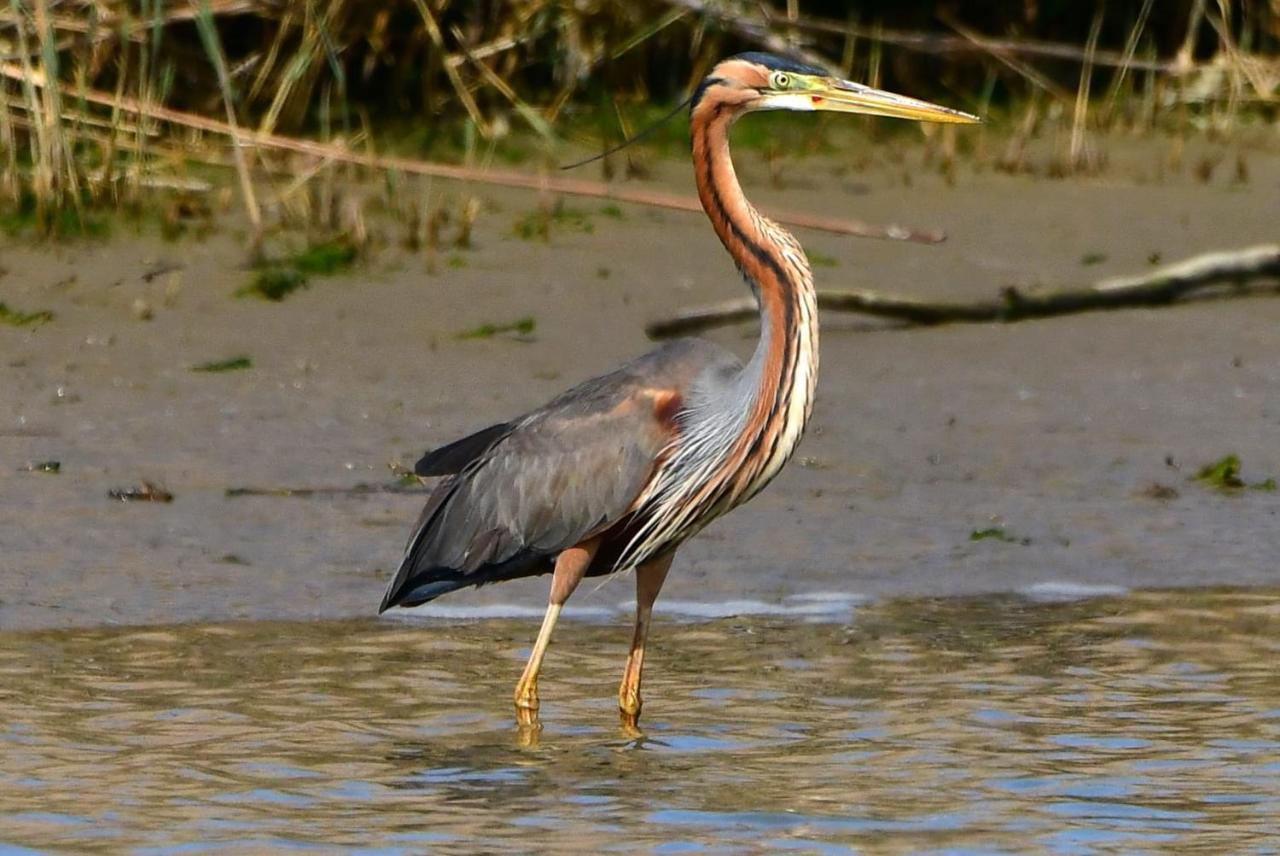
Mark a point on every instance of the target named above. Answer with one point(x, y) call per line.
point(453, 457)
point(554, 478)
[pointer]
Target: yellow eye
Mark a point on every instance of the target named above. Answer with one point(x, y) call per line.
point(779, 80)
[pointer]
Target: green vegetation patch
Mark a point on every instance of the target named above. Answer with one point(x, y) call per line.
point(276, 280)
point(14, 318)
point(536, 224)
point(818, 259)
point(325, 258)
point(273, 283)
point(65, 221)
point(233, 364)
point(1224, 474)
point(521, 326)
point(997, 533)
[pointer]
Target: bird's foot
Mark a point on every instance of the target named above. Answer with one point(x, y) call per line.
point(629, 712)
point(527, 704)
point(528, 731)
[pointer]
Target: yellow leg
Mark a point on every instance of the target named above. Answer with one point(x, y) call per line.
point(571, 567)
point(527, 688)
point(649, 580)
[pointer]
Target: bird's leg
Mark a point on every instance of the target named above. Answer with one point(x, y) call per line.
point(571, 567)
point(649, 579)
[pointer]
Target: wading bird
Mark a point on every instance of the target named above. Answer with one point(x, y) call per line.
point(618, 472)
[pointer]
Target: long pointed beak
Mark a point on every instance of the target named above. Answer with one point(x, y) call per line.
point(845, 96)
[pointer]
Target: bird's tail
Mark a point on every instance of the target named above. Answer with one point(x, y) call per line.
point(433, 566)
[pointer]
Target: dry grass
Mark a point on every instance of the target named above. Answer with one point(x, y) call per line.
point(104, 103)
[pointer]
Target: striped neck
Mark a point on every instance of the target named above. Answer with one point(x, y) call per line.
point(782, 373)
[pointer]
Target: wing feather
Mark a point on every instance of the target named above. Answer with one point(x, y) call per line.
point(551, 479)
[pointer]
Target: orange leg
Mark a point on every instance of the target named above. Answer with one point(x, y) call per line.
point(649, 580)
point(571, 567)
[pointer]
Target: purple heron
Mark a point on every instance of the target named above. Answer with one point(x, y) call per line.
point(619, 471)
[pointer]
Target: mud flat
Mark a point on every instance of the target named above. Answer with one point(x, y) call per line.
point(1049, 457)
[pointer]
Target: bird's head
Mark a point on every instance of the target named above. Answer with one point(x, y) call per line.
point(760, 81)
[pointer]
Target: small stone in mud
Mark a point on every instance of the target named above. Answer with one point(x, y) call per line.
point(51, 467)
point(142, 310)
point(147, 493)
point(1155, 490)
point(232, 559)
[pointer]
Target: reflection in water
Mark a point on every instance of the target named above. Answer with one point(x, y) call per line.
point(1148, 720)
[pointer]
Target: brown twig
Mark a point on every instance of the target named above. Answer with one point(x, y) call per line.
point(1163, 285)
point(503, 178)
point(1005, 56)
point(451, 71)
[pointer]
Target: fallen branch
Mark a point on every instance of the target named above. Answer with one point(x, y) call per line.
point(362, 489)
point(502, 178)
point(1157, 287)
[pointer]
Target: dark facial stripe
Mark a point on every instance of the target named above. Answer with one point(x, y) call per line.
point(764, 256)
point(707, 83)
point(780, 284)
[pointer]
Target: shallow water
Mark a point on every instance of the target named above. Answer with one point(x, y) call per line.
point(1149, 720)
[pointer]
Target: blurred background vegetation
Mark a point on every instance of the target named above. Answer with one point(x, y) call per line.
point(105, 102)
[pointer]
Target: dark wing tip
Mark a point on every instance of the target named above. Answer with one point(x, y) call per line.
point(412, 593)
point(452, 458)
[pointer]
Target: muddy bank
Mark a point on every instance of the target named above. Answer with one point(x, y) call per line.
point(1053, 432)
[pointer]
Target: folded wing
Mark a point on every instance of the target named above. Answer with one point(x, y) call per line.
point(538, 485)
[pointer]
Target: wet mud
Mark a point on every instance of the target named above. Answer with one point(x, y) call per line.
point(1069, 442)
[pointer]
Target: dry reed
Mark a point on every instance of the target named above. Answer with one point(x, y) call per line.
point(344, 67)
